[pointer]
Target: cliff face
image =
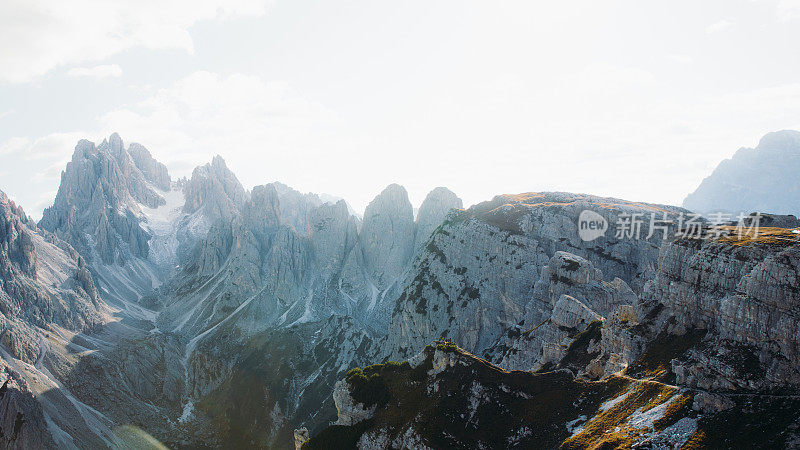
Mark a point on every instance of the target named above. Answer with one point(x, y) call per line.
point(43, 282)
point(709, 343)
point(477, 276)
point(580, 299)
point(46, 292)
point(745, 293)
point(432, 213)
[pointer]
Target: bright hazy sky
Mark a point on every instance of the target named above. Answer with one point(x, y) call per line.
point(634, 99)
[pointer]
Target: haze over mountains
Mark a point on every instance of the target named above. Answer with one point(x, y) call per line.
point(199, 313)
point(749, 180)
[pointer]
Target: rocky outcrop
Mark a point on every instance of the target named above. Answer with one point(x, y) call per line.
point(578, 297)
point(447, 398)
point(570, 274)
point(744, 294)
point(477, 276)
point(334, 233)
point(43, 282)
point(214, 189)
point(22, 421)
point(432, 213)
point(152, 170)
point(387, 236)
point(349, 410)
point(262, 212)
point(754, 179)
point(296, 207)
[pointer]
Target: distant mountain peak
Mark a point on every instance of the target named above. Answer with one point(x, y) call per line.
point(762, 179)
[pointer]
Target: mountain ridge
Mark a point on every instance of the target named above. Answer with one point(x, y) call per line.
point(208, 291)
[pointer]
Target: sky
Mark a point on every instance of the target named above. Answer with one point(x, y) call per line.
point(632, 99)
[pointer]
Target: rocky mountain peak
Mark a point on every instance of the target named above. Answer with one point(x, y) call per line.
point(215, 188)
point(263, 209)
point(387, 235)
point(432, 212)
point(153, 171)
point(102, 190)
point(333, 233)
point(738, 184)
point(296, 207)
point(15, 238)
point(784, 140)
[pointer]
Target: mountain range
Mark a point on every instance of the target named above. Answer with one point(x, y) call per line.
point(144, 311)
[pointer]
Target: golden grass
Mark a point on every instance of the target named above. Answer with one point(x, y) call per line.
point(609, 428)
point(673, 412)
point(696, 441)
point(765, 235)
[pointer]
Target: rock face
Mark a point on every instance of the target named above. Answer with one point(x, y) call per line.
point(22, 421)
point(580, 298)
point(43, 282)
point(741, 184)
point(114, 206)
point(296, 207)
point(709, 343)
point(745, 295)
point(98, 188)
point(387, 236)
point(432, 213)
point(46, 292)
point(478, 274)
point(215, 189)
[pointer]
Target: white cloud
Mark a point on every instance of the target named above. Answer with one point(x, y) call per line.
point(101, 71)
point(788, 10)
point(265, 130)
point(606, 130)
point(255, 124)
point(14, 145)
point(35, 168)
point(716, 27)
point(40, 35)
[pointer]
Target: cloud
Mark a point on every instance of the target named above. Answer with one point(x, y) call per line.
point(35, 168)
point(604, 129)
point(716, 27)
point(50, 33)
point(14, 145)
point(788, 10)
point(101, 71)
point(266, 130)
point(257, 125)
